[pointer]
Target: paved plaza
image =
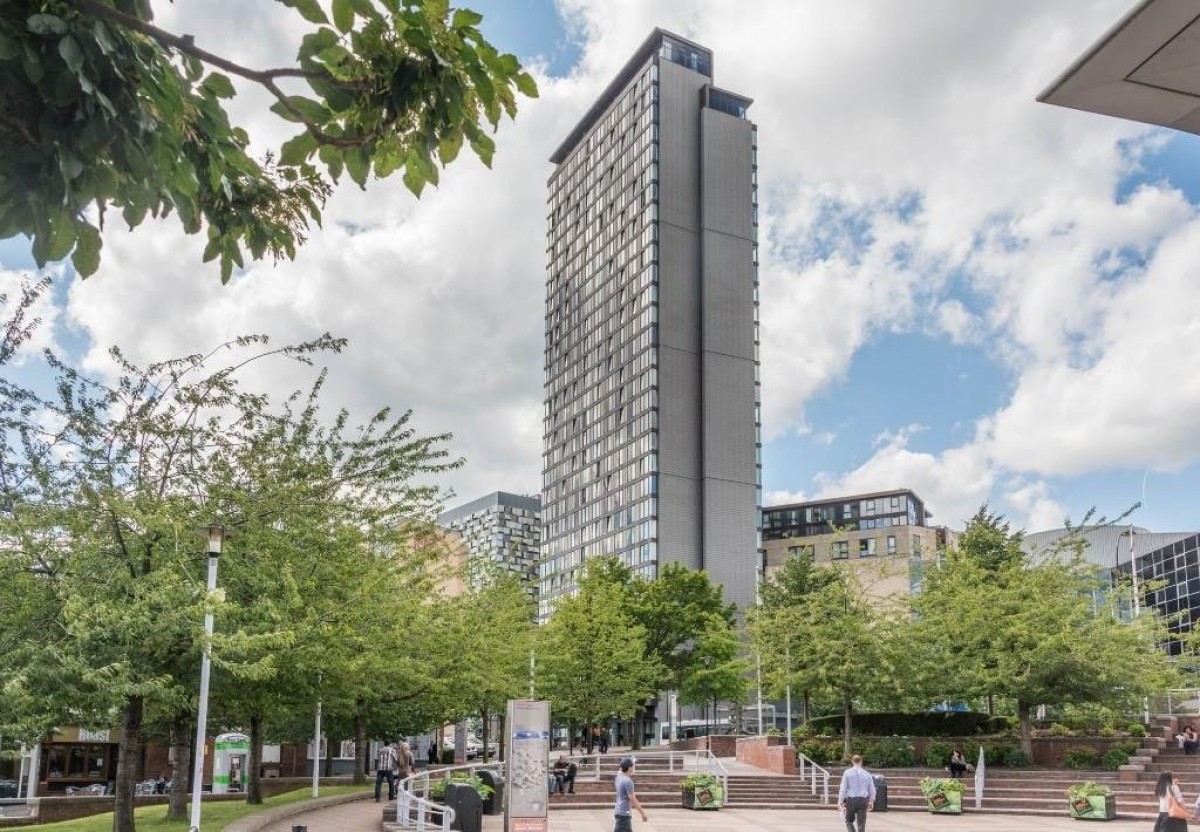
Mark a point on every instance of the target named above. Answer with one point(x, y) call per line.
point(364, 816)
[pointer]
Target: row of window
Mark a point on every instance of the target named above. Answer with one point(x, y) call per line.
point(867, 547)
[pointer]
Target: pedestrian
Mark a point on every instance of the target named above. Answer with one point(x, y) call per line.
point(433, 753)
point(856, 795)
point(386, 763)
point(405, 760)
point(958, 764)
point(1172, 814)
point(626, 800)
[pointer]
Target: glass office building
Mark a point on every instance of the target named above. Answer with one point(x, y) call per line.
point(651, 426)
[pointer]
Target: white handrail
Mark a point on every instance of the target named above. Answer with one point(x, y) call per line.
point(411, 809)
point(809, 763)
point(691, 760)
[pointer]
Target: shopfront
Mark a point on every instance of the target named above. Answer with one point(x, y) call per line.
point(79, 758)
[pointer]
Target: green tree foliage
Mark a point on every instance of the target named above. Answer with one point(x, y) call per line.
point(103, 488)
point(831, 639)
point(1032, 630)
point(100, 108)
point(591, 658)
point(717, 672)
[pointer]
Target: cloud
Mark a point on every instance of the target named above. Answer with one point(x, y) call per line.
point(909, 183)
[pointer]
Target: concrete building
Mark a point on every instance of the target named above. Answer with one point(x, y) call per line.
point(503, 528)
point(1146, 68)
point(651, 425)
point(884, 536)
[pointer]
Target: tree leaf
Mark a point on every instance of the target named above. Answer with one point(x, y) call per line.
point(311, 110)
point(46, 25)
point(357, 165)
point(219, 85)
point(87, 249)
point(526, 85)
point(68, 49)
point(343, 15)
point(296, 150)
point(310, 10)
point(9, 48)
point(466, 17)
point(449, 146)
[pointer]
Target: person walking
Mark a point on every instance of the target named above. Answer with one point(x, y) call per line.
point(626, 800)
point(386, 763)
point(856, 795)
point(1172, 814)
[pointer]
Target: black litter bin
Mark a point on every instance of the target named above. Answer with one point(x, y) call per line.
point(467, 806)
point(880, 792)
point(494, 803)
point(299, 829)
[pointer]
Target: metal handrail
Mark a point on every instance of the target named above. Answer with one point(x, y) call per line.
point(811, 765)
point(692, 760)
point(412, 808)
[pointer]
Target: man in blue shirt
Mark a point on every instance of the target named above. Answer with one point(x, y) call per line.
point(626, 799)
point(856, 795)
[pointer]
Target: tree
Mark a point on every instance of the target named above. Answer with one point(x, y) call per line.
point(104, 487)
point(1032, 630)
point(591, 657)
point(717, 672)
point(833, 640)
point(101, 108)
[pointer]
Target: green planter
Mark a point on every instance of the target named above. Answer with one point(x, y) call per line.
point(944, 803)
point(707, 797)
point(1093, 807)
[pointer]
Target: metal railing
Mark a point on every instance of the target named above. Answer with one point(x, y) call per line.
point(1177, 702)
point(413, 806)
point(684, 762)
point(810, 770)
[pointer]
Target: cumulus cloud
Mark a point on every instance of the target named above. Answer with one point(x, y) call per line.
point(903, 165)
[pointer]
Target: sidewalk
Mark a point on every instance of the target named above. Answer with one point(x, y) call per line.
point(364, 816)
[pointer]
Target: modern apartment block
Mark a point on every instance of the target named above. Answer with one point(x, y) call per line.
point(501, 527)
point(885, 536)
point(651, 425)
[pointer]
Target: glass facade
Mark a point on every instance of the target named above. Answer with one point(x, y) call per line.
point(1174, 573)
point(600, 421)
point(901, 508)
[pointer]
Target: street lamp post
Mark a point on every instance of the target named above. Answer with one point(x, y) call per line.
point(216, 535)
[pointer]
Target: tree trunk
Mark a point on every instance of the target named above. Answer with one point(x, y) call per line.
point(1026, 728)
point(360, 750)
point(127, 764)
point(503, 733)
point(483, 712)
point(804, 708)
point(847, 726)
point(254, 764)
point(991, 705)
point(328, 755)
point(181, 756)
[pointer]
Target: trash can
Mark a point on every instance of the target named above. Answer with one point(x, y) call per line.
point(880, 792)
point(299, 829)
point(467, 806)
point(494, 803)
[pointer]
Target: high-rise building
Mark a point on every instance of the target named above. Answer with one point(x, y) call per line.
point(503, 528)
point(651, 449)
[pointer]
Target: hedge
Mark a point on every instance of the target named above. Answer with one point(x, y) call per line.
point(929, 724)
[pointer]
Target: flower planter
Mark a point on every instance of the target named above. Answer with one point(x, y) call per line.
point(1093, 807)
point(944, 803)
point(706, 797)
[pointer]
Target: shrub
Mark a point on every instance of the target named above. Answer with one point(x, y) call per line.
point(1088, 789)
point(1057, 729)
point(888, 753)
point(1016, 758)
point(926, 724)
point(700, 780)
point(1080, 757)
point(447, 756)
point(1114, 758)
point(821, 750)
point(1137, 729)
point(929, 785)
point(996, 753)
point(937, 754)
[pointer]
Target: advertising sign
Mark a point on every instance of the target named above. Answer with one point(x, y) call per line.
point(527, 774)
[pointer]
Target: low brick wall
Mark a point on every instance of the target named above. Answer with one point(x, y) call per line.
point(721, 745)
point(767, 753)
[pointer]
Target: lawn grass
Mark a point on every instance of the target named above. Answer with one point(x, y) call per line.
point(214, 817)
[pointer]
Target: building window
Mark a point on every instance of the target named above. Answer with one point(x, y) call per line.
point(916, 546)
point(805, 550)
point(839, 550)
point(891, 544)
point(866, 547)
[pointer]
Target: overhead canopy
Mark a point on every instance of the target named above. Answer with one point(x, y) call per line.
point(1146, 68)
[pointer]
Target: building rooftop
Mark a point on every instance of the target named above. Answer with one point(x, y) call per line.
point(496, 498)
point(1146, 68)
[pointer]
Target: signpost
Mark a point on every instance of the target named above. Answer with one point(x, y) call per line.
point(526, 769)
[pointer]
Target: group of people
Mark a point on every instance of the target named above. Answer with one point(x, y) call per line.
point(392, 763)
point(564, 776)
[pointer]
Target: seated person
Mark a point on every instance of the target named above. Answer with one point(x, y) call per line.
point(572, 770)
point(560, 774)
point(1190, 740)
point(958, 765)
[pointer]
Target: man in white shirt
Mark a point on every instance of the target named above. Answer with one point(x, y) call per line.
point(856, 795)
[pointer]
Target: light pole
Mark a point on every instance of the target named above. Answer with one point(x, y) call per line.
point(709, 720)
point(1133, 569)
point(216, 535)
